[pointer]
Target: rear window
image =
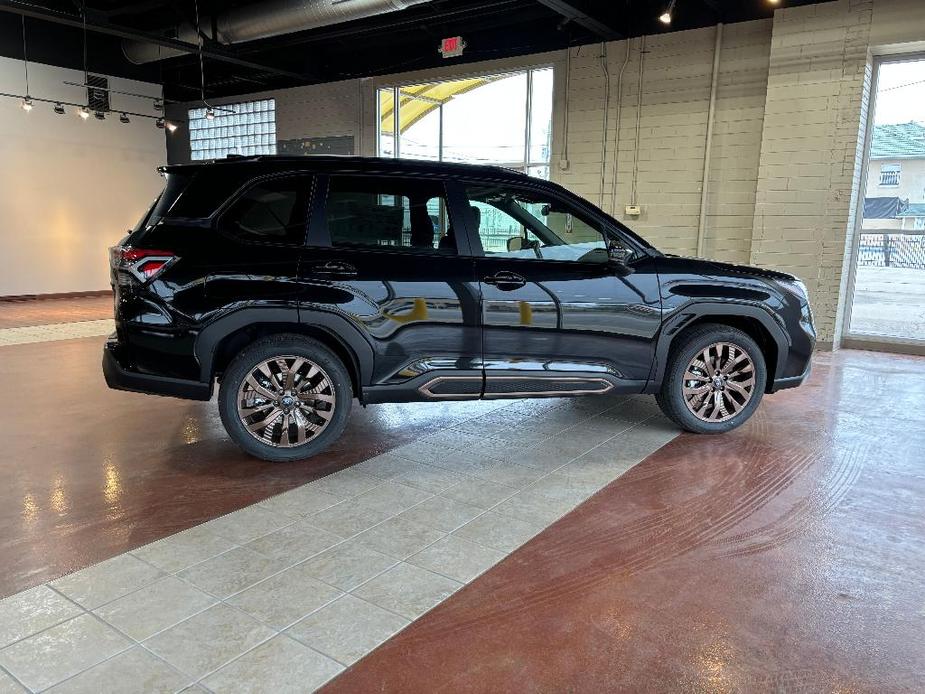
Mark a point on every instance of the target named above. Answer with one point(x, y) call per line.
point(190, 194)
point(176, 184)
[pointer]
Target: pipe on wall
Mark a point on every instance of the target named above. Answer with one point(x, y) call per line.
point(704, 188)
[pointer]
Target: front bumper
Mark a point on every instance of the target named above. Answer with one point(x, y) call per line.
point(120, 377)
point(791, 381)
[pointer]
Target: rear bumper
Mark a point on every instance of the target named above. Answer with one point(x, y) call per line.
point(120, 377)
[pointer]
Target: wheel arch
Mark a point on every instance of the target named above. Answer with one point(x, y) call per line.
point(754, 320)
point(220, 341)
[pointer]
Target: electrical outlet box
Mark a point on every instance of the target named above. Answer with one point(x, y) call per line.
point(633, 210)
point(564, 164)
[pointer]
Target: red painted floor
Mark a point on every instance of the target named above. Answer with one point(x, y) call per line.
point(14, 314)
point(89, 472)
point(786, 556)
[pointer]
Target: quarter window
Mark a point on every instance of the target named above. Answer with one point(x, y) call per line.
point(387, 212)
point(273, 211)
point(520, 224)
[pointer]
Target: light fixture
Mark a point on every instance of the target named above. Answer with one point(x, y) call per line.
point(210, 114)
point(27, 101)
point(123, 118)
point(83, 112)
point(665, 17)
point(159, 123)
point(99, 115)
point(171, 127)
point(59, 108)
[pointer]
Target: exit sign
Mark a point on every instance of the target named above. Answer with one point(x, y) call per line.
point(452, 47)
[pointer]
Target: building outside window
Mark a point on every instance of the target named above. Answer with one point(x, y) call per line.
point(889, 174)
point(503, 120)
point(247, 128)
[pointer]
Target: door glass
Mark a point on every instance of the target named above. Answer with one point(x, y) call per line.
point(521, 224)
point(400, 213)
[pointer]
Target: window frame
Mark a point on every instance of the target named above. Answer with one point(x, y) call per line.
point(608, 229)
point(220, 217)
point(894, 169)
point(320, 236)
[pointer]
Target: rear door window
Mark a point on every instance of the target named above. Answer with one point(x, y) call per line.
point(389, 213)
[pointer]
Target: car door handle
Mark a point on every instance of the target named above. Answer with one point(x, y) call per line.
point(505, 281)
point(334, 268)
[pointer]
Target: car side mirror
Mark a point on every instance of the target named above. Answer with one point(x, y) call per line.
point(618, 254)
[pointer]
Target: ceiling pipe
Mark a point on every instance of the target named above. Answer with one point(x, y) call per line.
point(267, 19)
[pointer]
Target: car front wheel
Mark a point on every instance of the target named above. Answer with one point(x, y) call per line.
point(714, 380)
point(284, 398)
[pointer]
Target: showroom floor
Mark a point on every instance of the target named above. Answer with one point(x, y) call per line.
point(786, 555)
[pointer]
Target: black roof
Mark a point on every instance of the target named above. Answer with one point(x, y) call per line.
point(349, 163)
point(235, 170)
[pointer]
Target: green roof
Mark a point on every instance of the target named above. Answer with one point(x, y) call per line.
point(898, 141)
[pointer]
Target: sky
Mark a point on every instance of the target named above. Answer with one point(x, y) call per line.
point(901, 93)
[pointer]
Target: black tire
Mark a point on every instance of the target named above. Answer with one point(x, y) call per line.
point(686, 347)
point(269, 348)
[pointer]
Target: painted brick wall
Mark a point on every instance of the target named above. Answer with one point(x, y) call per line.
point(810, 156)
point(668, 161)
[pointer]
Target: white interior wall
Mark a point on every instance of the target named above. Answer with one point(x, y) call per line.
point(69, 188)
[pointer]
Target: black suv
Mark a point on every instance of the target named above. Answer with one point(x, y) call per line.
point(300, 283)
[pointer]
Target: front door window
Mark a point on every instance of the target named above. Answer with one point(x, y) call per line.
point(522, 224)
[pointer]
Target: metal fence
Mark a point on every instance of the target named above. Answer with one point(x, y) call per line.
point(900, 250)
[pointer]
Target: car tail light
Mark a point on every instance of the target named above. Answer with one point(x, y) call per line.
point(143, 263)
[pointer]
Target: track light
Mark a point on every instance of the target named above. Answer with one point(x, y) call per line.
point(99, 115)
point(159, 123)
point(171, 126)
point(83, 112)
point(123, 118)
point(26, 104)
point(665, 17)
point(59, 109)
point(210, 114)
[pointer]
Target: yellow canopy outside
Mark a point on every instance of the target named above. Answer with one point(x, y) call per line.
point(417, 100)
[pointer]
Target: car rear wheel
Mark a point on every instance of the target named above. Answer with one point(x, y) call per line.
point(284, 398)
point(714, 381)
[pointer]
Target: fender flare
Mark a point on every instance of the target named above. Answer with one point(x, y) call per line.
point(686, 314)
point(336, 326)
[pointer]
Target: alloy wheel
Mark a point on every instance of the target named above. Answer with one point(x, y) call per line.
point(286, 401)
point(718, 382)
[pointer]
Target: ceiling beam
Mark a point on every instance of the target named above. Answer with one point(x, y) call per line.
point(573, 14)
point(103, 27)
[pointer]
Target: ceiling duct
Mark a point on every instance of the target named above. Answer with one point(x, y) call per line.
point(266, 19)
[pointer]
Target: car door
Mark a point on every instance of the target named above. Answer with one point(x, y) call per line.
point(560, 313)
point(383, 253)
